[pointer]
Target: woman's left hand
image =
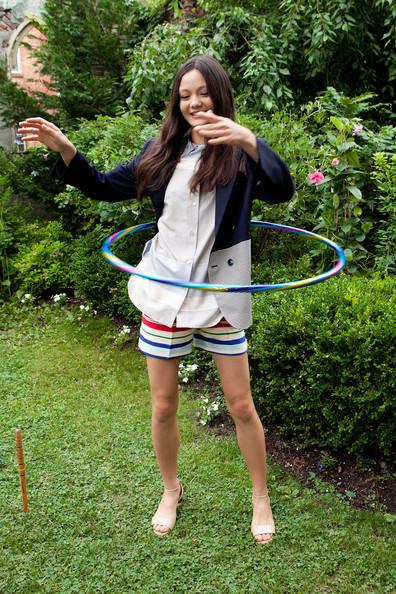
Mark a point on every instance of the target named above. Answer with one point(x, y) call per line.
point(220, 130)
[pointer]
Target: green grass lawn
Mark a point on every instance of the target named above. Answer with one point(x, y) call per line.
point(93, 484)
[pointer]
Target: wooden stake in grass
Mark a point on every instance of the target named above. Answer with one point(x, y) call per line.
point(21, 468)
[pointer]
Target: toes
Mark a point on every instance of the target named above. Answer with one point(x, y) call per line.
point(263, 538)
point(160, 529)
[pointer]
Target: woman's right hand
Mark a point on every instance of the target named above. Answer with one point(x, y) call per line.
point(40, 130)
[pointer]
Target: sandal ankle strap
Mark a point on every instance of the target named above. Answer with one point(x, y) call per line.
point(171, 490)
point(260, 496)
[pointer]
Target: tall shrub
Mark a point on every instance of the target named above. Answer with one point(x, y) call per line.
point(323, 363)
point(85, 53)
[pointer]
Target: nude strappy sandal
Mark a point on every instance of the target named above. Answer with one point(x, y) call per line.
point(258, 529)
point(168, 521)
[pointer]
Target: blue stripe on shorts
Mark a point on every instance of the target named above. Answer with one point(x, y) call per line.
point(171, 343)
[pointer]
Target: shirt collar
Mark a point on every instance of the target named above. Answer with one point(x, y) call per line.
point(192, 148)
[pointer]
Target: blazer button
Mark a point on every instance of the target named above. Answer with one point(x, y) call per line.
point(230, 262)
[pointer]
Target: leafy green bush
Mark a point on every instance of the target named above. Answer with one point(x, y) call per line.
point(97, 281)
point(86, 59)
point(347, 45)
point(384, 177)
point(31, 253)
point(322, 362)
point(333, 140)
point(15, 103)
point(33, 186)
point(6, 238)
point(42, 263)
point(149, 76)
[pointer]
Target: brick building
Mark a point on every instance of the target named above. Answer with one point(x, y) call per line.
point(16, 28)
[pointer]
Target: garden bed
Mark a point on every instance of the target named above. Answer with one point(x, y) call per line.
point(366, 485)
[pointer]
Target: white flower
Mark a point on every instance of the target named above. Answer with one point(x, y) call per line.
point(34, 173)
point(185, 379)
point(194, 367)
point(126, 329)
point(82, 307)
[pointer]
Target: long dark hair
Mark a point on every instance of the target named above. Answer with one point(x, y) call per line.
point(219, 163)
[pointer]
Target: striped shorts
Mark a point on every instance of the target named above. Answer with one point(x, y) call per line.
point(163, 342)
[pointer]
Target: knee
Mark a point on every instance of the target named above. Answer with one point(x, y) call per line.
point(164, 409)
point(242, 409)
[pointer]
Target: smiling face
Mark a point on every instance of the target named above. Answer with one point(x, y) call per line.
point(193, 98)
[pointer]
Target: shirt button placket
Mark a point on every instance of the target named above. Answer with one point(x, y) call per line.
point(194, 220)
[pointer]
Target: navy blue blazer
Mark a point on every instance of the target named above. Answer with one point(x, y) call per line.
point(267, 180)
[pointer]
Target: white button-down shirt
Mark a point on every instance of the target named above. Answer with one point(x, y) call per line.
point(180, 250)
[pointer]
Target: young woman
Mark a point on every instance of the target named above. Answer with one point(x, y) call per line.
point(201, 173)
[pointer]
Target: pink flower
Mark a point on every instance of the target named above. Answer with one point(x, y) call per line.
point(316, 177)
point(357, 130)
point(335, 162)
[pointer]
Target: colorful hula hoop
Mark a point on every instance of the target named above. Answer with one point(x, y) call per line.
point(118, 263)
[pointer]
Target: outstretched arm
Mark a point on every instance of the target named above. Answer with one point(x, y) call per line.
point(40, 130)
point(74, 169)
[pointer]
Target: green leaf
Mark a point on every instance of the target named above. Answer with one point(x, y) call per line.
point(353, 158)
point(332, 138)
point(355, 192)
point(336, 201)
point(348, 254)
point(346, 146)
point(357, 211)
point(337, 123)
point(346, 228)
point(367, 226)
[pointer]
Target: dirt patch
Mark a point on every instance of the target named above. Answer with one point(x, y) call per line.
point(367, 485)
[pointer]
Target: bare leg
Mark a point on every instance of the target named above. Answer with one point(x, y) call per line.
point(235, 380)
point(164, 384)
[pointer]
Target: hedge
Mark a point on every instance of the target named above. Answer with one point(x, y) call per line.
point(323, 363)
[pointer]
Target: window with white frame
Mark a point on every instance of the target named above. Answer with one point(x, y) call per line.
point(16, 63)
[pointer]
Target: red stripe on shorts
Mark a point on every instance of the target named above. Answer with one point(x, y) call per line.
point(151, 324)
point(161, 327)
